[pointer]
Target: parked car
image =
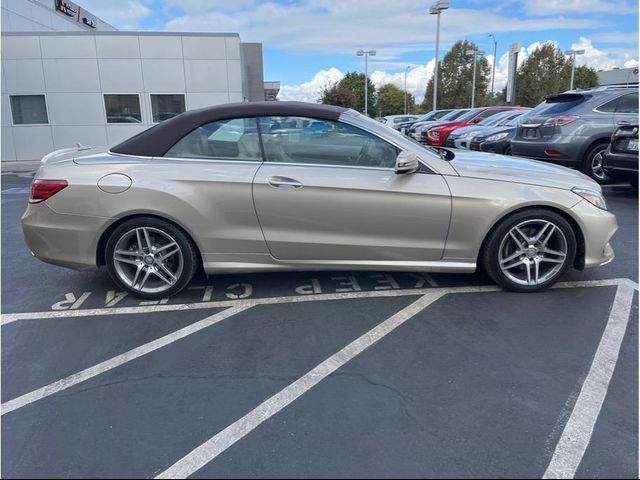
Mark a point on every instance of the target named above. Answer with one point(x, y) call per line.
point(574, 128)
point(497, 139)
point(437, 134)
point(620, 160)
point(432, 116)
point(392, 120)
point(176, 198)
point(418, 129)
point(461, 137)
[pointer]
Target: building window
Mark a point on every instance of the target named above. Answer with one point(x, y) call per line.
point(164, 107)
point(123, 108)
point(28, 109)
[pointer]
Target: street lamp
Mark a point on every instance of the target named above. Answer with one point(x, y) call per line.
point(573, 54)
point(475, 54)
point(365, 54)
point(405, 89)
point(437, 9)
point(495, 59)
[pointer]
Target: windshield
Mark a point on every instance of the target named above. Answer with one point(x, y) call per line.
point(469, 115)
point(453, 114)
point(512, 120)
point(559, 104)
point(495, 119)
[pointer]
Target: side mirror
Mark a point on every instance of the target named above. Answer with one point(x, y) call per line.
point(476, 120)
point(407, 162)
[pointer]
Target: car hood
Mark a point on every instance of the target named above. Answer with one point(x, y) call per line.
point(519, 170)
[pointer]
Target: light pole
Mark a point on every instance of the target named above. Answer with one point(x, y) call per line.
point(573, 54)
point(405, 89)
point(437, 9)
point(365, 54)
point(495, 59)
point(475, 54)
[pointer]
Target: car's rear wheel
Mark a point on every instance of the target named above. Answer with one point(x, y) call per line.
point(150, 258)
point(530, 250)
point(594, 163)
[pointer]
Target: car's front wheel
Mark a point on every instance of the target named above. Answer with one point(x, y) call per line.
point(529, 251)
point(150, 258)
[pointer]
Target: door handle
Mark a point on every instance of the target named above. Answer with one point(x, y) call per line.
point(623, 122)
point(284, 182)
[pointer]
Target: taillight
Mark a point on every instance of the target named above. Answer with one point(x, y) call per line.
point(43, 189)
point(559, 121)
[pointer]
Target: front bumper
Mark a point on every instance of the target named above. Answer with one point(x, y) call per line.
point(66, 240)
point(597, 226)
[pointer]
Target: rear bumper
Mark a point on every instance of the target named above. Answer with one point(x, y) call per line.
point(597, 226)
point(620, 164)
point(568, 149)
point(66, 240)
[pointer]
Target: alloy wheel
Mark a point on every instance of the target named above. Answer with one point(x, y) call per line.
point(533, 252)
point(148, 260)
point(597, 166)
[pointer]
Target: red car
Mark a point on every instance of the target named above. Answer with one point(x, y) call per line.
point(437, 135)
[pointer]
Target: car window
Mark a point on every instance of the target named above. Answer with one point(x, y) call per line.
point(286, 140)
point(558, 104)
point(235, 139)
point(470, 115)
point(628, 103)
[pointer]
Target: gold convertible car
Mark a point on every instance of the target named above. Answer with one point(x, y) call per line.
point(295, 186)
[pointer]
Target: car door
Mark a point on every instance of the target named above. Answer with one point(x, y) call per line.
point(334, 196)
point(210, 171)
point(627, 110)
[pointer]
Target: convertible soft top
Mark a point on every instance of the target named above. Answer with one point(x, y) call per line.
point(155, 141)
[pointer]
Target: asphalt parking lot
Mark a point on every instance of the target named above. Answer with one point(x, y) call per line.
point(333, 374)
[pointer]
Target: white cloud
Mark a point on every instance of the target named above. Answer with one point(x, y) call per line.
point(122, 14)
point(310, 91)
point(555, 7)
point(337, 26)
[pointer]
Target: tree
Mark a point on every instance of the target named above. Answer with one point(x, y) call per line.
point(350, 89)
point(336, 94)
point(455, 78)
point(545, 72)
point(391, 100)
point(585, 77)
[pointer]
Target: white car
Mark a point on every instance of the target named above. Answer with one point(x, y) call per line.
point(393, 120)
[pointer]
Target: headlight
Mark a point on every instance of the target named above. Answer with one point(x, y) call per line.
point(497, 136)
point(592, 196)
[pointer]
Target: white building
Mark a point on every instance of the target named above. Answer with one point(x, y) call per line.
point(68, 77)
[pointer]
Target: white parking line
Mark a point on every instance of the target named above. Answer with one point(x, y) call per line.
point(578, 430)
point(217, 444)
point(116, 361)
point(7, 318)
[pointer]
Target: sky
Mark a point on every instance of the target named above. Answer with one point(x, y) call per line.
point(310, 43)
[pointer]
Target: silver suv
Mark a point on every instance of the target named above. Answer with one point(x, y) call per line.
point(574, 128)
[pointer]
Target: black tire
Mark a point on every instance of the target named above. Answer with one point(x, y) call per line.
point(507, 151)
point(187, 248)
point(491, 247)
point(598, 174)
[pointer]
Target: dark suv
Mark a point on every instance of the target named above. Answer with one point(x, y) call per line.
point(574, 128)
